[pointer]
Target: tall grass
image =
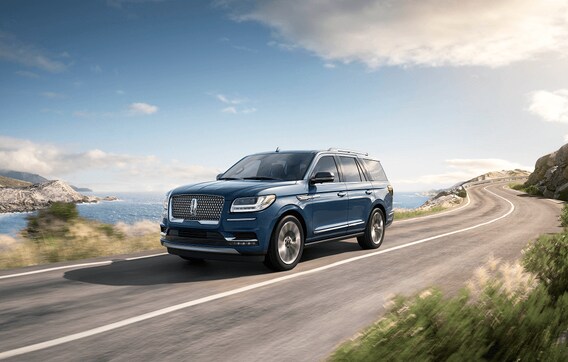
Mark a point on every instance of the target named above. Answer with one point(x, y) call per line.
point(59, 234)
point(507, 312)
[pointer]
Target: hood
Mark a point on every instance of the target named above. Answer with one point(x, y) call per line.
point(231, 189)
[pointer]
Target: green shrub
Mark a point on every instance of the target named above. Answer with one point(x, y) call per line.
point(564, 216)
point(431, 328)
point(547, 258)
point(51, 222)
point(462, 193)
point(518, 187)
point(62, 211)
point(533, 190)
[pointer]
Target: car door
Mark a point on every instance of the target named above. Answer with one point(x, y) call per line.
point(327, 203)
point(359, 192)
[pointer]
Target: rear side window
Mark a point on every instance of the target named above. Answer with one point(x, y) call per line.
point(375, 170)
point(327, 164)
point(350, 169)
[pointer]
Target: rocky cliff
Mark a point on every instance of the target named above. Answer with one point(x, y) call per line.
point(39, 196)
point(550, 174)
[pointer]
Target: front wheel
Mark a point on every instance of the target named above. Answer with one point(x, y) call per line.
point(375, 231)
point(286, 245)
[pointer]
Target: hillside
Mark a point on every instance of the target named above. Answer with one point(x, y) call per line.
point(34, 197)
point(10, 182)
point(500, 174)
point(23, 176)
point(32, 178)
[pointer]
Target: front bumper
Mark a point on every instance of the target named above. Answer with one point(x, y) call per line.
point(211, 253)
point(235, 236)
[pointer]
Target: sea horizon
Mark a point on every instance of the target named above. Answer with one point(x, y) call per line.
point(135, 206)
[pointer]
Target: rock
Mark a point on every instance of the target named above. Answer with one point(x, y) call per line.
point(37, 196)
point(550, 174)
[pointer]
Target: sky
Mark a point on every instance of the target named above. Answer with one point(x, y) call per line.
point(146, 95)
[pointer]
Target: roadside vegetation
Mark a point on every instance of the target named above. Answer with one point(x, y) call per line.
point(531, 190)
point(58, 234)
point(507, 312)
point(408, 214)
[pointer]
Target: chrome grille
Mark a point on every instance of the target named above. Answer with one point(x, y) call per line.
point(208, 207)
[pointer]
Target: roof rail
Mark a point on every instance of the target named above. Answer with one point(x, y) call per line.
point(349, 151)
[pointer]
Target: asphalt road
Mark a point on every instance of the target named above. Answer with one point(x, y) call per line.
point(162, 308)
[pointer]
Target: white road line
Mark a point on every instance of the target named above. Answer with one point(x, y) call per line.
point(145, 256)
point(75, 266)
point(191, 303)
point(56, 268)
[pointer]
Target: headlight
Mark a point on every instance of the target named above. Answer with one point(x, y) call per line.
point(165, 206)
point(251, 204)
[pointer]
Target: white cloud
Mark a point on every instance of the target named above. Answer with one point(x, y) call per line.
point(566, 138)
point(228, 100)
point(120, 92)
point(231, 110)
point(142, 109)
point(234, 105)
point(13, 50)
point(120, 171)
point(550, 106)
point(329, 65)
point(459, 170)
point(423, 33)
point(96, 68)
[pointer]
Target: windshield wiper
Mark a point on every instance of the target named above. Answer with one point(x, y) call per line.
point(229, 178)
point(260, 178)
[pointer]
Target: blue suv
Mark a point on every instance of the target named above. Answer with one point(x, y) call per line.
point(269, 206)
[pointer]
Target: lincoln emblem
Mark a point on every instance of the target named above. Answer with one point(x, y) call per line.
point(193, 207)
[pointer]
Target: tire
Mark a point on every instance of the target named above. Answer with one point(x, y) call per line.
point(192, 260)
point(286, 245)
point(374, 232)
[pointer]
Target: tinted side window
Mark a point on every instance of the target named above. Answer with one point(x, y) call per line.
point(375, 170)
point(326, 164)
point(350, 169)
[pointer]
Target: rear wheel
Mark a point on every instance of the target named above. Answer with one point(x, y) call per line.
point(375, 231)
point(286, 245)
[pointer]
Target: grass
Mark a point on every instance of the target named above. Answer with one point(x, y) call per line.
point(507, 312)
point(401, 215)
point(59, 234)
point(531, 190)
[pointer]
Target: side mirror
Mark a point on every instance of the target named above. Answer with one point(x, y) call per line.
point(322, 177)
point(219, 176)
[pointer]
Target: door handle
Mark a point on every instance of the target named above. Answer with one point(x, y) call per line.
point(342, 193)
point(368, 192)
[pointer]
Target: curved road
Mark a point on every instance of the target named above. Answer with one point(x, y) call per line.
point(162, 308)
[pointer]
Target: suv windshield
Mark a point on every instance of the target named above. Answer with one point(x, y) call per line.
point(271, 166)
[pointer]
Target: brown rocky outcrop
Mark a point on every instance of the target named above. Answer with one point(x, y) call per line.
point(39, 196)
point(550, 174)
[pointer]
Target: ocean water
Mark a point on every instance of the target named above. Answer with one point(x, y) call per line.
point(129, 208)
point(133, 207)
